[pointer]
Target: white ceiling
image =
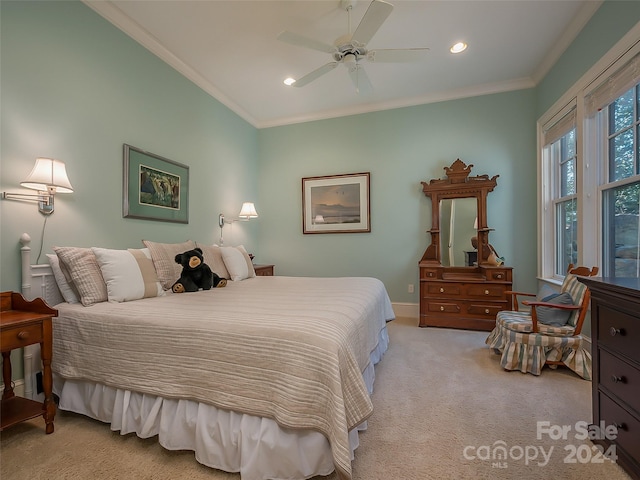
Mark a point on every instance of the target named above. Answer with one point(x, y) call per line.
point(230, 49)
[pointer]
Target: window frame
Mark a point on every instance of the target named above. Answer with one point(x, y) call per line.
point(591, 149)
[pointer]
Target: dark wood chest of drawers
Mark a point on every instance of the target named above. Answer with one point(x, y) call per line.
point(464, 297)
point(615, 327)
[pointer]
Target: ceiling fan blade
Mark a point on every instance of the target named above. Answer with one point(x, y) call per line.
point(318, 72)
point(398, 55)
point(360, 79)
point(373, 19)
point(302, 41)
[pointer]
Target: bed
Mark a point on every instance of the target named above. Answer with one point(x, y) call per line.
point(270, 376)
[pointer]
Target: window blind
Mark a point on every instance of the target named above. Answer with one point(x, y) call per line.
point(614, 86)
point(561, 123)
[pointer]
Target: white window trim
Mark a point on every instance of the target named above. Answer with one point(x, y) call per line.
point(588, 148)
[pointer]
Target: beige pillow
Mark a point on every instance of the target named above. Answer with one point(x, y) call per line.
point(85, 272)
point(164, 259)
point(213, 257)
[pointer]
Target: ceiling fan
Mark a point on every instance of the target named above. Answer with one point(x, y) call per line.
point(350, 49)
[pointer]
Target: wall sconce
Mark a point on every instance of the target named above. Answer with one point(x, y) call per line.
point(48, 177)
point(247, 212)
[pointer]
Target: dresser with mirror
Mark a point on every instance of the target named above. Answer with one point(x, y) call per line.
point(463, 283)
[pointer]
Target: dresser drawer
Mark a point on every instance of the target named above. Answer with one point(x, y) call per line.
point(628, 425)
point(498, 274)
point(486, 291)
point(443, 307)
point(488, 310)
point(444, 289)
point(620, 378)
point(618, 331)
point(429, 273)
point(20, 337)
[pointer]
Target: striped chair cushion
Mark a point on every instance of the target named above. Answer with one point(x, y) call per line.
point(521, 322)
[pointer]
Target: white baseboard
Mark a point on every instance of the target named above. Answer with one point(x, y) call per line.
point(410, 310)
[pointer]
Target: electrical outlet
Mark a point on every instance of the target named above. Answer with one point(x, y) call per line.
point(411, 288)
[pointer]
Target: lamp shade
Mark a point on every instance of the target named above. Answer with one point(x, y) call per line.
point(48, 175)
point(248, 211)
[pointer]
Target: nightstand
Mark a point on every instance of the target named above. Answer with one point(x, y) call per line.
point(24, 323)
point(263, 270)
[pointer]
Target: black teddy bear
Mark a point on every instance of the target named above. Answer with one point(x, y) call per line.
point(195, 273)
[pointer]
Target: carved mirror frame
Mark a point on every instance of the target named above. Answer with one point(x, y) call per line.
point(458, 184)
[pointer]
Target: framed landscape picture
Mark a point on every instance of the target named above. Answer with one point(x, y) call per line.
point(336, 204)
point(155, 188)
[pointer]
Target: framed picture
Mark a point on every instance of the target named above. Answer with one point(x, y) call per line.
point(155, 188)
point(336, 204)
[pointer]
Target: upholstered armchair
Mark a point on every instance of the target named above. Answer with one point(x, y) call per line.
point(548, 330)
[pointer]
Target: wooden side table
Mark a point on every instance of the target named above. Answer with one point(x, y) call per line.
point(264, 270)
point(24, 323)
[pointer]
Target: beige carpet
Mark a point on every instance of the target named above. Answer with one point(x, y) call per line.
point(438, 393)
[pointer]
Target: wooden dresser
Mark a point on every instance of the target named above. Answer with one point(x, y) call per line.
point(455, 294)
point(615, 327)
point(465, 297)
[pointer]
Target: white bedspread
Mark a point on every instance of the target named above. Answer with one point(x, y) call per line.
point(291, 349)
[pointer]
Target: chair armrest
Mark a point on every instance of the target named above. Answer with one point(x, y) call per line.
point(534, 314)
point(552, 305)
point(514, 297)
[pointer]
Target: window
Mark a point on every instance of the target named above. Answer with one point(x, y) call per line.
point(560, 153)
point(621, 185)
point(589, 145)
point(563, 158)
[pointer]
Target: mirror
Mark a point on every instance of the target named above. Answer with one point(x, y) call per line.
point(458, 221)
point(458, 204)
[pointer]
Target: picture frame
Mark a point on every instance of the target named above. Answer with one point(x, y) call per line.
point(336, 204)
point(155, 188)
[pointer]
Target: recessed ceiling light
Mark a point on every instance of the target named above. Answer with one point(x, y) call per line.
point(289, 81)
point(458, 47)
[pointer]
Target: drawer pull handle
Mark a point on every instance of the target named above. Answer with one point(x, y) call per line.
point(621, 426)
point(23, 335)
point(441, 308)
point(617, 379)
point(441, 290)
point(613, 331)
point(498, 276)
point(486, 292)
point(486, 310)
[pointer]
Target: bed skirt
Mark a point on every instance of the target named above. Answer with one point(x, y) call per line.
point(256, 447)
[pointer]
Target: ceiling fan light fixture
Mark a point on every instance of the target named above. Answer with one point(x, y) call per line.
point(458, 47)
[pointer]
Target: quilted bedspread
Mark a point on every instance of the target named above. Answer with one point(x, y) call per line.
point(288, 348)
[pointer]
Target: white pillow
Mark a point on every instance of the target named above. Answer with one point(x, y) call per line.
point(238, 263)
point(65, 285)
point(129, 274)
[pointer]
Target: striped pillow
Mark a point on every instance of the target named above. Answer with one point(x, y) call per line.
point(164, 259)
point(85, 272)
point(129, 274)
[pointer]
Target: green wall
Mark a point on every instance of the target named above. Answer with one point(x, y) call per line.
point(400, 148)
point(76, 88)
point(608, 25)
